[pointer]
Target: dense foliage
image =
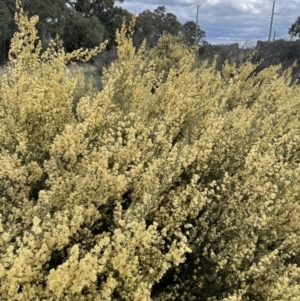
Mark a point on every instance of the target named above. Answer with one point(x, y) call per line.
point(152, 25)
point(176, 188)
point(85, 23)
point(294, 30)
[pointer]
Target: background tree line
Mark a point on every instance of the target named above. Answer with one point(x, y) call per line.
point(84, 23)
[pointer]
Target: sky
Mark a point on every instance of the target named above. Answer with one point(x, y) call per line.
point(229, 21)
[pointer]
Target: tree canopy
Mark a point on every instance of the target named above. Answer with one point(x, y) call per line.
point(85, 23)
point(294, 30)
point(80, 23)
point(92, 8)
point(152, 25)
point(189, 33)
point(6, 28)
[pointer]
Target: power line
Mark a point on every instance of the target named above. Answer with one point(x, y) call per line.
point(182, 11)
point(265, 12)
point(289, 3)
point(203, 12)
point(265, 18)
point(282, 10)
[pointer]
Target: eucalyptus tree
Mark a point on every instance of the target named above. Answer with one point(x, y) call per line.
point(6, 29)
point(294, 30)
point(79, 23)
point(152, 25)
point(189, 33)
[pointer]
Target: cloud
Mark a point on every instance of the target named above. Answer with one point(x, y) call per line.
point(229, 21)
point(232, 7)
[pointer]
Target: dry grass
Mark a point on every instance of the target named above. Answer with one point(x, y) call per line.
point(2, 70)
point(85, 67)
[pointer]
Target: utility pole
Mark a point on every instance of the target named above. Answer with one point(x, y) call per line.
point(271, 20)
point(196, 34)
point(274, 35)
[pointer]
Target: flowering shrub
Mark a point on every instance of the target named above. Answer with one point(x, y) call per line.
point(168, 53)
point(185, 188)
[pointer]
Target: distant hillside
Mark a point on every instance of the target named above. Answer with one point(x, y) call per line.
point(279, 52)
point(272, 53)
